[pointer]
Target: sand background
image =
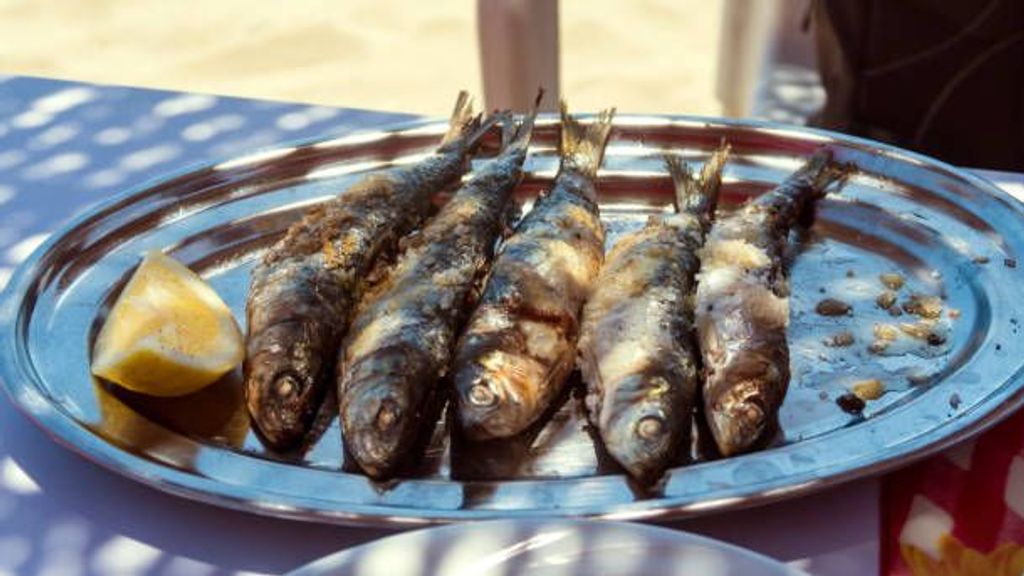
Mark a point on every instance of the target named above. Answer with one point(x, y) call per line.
point(401, 55)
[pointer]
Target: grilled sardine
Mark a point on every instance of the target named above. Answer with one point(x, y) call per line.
point(742, 307)
point(400, 343)
point(638, 351)
point(305, 287)
point(520, 343)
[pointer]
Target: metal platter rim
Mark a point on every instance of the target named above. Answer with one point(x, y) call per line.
point(20, 383)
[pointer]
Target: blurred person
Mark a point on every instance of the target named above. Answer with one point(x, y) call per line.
point(943, 77)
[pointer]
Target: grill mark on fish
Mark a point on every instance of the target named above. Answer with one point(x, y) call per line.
point(518, 349)
point(637, 351)
point(399, 346)
point(306, 285)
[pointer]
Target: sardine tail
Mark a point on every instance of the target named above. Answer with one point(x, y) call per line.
point(824, 172)
point(519, 139)
point(582, 146)
point(684, 181)
point(463, 121)
point(711, 174)
point(465, 129)
point(698, 195)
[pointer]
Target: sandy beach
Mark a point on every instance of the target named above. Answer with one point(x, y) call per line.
point(403, 55)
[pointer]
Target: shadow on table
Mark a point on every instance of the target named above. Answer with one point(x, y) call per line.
point(66, 145)
point(61, 514)
point(780, 530)
point(63, 147)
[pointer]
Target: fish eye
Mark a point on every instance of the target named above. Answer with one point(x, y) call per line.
point(387, 414)
point(286, 385)
point(482, 395)
point(650, 427)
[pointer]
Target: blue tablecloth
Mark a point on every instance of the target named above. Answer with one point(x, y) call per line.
point(66, 145)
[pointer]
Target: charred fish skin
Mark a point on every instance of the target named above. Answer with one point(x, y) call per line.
point(305, 287)
point(399, 346)
point(742, 307)
point(637, 352)
point(519, 345)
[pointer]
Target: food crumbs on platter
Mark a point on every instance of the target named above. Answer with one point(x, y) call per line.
point(981, 260)
point(850, 403)
point(954, 401)
point(850, 274)
point(840, 340)
point(1010, 262)
point(868, 389)
point(923, 306)
point(917, 379)
point(823, 395)
point(886, 332)
point(953, 313)
point(922, 330)
point(886, 299)
point(891, 280)
point(832, 307)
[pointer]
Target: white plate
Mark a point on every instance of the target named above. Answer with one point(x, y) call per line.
point(546, 548)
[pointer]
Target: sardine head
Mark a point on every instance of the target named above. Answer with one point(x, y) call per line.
point(383, 408)
point(374, 431)
point(738, 425)
point(741, 417)
point(645, 433)
point(497, 394)
point(281, 401)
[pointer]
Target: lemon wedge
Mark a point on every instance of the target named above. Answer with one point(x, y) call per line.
point(168, 333)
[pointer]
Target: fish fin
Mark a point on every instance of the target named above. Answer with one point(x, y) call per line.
point(698, 195)
point(824, 172)
point(582, 146)
point(520, 140)
point(465, 129)
point(711, 179)
point(508, 129)
point(683, 180)
point(462, 123)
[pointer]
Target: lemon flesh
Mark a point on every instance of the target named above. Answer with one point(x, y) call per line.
point(168, 333)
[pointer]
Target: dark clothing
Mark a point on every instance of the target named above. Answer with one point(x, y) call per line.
point(942, 77)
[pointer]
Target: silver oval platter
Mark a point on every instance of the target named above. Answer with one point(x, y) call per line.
point(946, 232)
